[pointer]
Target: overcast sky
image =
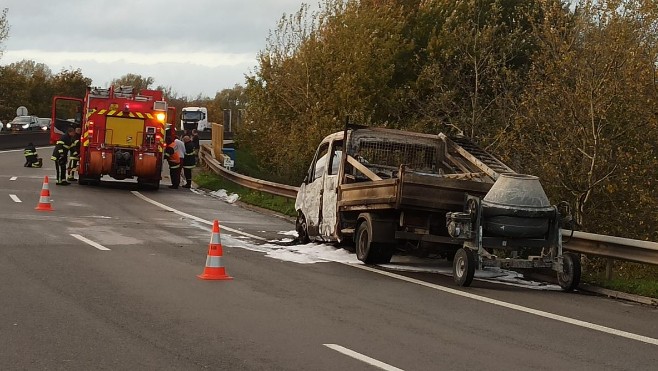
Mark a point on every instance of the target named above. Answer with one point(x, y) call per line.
point(194, 46)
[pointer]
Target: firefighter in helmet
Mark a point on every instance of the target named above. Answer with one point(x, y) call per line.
point(173, 159)
point(189, 161)
point(74, 156)
point(60, 155)
point(32, 159)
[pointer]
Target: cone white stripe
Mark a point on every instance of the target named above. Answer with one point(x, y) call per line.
point(44, 200)
point(45, 186)
point(214, 262)
point(215, 239)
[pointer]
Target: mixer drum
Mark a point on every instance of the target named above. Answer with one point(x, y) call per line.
point(517, 207)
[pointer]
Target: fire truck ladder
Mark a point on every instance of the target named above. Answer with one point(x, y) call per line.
point(482, 159)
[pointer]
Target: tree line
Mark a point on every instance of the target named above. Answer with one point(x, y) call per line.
point(566, 91)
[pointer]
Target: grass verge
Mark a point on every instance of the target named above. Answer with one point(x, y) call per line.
point(209, 180)
point(632, 278)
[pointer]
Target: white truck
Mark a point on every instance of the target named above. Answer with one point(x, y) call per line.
point(194, 118)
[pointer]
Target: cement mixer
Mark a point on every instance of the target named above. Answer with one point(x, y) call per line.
point(516, 219)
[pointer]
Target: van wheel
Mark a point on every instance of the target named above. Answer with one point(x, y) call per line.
point(368, 251)
point(302, 229)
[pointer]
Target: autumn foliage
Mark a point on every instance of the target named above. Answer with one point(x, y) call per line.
point(563, 91)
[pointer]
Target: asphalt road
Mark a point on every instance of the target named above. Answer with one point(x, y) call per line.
point(66, 304)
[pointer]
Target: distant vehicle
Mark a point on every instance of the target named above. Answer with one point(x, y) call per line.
point(23, 123)
point(194, 118)
point(44, 123)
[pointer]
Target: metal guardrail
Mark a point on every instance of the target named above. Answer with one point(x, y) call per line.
point(245, 181)
point(611, 247)
point(645, 252)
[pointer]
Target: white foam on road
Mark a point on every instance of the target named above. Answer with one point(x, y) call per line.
point(295, 251)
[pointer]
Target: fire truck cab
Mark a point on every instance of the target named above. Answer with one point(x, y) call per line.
point(122, 133)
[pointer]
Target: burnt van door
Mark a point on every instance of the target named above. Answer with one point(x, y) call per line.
point(312, 204)
point(330, 191)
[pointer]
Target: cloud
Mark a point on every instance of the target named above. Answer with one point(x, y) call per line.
point(195, 46)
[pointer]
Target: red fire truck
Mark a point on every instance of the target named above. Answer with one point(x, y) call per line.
point(122, 132)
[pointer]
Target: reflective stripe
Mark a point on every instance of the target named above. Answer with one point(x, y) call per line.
point(102, 112)
point(214, 262)
point(174, 166)
point(150, 117)
point(215, 239)
point(189, 166)
point(44, 200)
point(139, 114)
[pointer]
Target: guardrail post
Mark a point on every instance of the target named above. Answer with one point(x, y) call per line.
point(608, 269)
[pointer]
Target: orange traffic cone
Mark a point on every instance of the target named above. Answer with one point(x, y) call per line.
point(44, 199)
point(214, 269)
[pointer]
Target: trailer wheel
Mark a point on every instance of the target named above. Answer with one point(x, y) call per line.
point(302, 228)
point(570, 276)
point(463, 267)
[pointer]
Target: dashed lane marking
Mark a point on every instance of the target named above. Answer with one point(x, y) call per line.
point(13, 178)
point(90, 242)
point(15, 198)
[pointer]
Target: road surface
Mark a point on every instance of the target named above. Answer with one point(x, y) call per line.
point(108, 281)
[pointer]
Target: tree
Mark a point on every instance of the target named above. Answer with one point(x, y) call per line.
point(136, 81)
point(4, 28)
point(588, 125)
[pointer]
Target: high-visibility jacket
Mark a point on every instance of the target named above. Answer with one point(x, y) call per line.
point(62, 147)
point(30, 152)
point(172, 157)
point(75, 148)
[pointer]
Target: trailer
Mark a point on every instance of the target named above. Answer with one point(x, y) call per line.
point(390, 191)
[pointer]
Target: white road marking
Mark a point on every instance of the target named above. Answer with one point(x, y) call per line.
point(200, 220)
point(540, 313)
point(15, 198)
point(90, 242)
point(13, 178)
point(484, 299)
point(361, 357)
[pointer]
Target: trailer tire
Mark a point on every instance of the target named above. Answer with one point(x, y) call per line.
point(463, 267)
point(571, 270)
point(302, 228)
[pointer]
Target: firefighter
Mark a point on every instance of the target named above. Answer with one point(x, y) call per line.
point(173, 160)
point(189, 161)
point(74, 156)
point(32, 159)
point(195, 140)
point(60, 154)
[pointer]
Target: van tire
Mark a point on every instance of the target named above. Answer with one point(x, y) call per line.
point(368, 251)
point(302, 229)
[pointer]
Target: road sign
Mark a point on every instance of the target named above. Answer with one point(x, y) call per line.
point(21, 111)
point(228, 163)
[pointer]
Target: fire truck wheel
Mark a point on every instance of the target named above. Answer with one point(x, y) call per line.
point(463, 267)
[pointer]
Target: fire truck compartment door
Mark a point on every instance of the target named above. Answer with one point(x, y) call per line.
point(122, 131)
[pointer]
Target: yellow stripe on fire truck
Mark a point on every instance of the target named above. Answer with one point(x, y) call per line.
point(117, 113)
